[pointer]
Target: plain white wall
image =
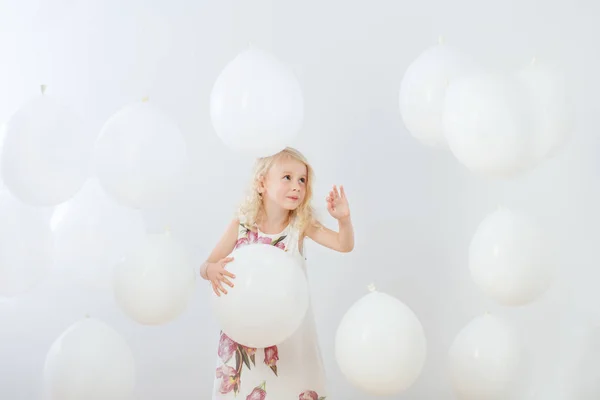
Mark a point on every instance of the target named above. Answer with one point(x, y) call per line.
point(414, 208)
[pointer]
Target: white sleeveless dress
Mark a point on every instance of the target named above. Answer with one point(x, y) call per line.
point(292, 370)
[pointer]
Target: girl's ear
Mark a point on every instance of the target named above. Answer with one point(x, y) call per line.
point(260, 184)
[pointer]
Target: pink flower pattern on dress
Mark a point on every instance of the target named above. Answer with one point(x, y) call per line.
point(227, 347)
point(258, 393)
point(271, 358)
point(252, 237)
point(251, 353)
point(310, 395)
point(229, 379)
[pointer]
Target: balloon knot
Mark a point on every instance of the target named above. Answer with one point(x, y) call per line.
point(371, 287)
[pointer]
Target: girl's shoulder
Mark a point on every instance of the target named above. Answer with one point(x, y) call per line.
point(243, 223)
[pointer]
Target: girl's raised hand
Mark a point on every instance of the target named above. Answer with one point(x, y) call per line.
point(217, 275)
point(337, 203)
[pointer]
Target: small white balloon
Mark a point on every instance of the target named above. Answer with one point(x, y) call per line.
point(269, 300)
point(484, 359)
point(26, 245)
point(510, 258)
point(155, 281)
point(45, 153)
point(488, 125)
point(140, 156)
point(380, 345)
point(90, 361)
point(256, 104)
point(92, 233)
point(423, 90)
point(551, 105)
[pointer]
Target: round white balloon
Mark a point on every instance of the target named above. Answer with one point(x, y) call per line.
point(269, 300)
point(423, 90)
point(510, 258)
point(488, 125)
point(26, 253)
point(45, 153)
point(155, 281)
point(380, 345)
point(256, 104)
point(140, 156)
point(92, 233)
point(484, 359)
point(91, 361)
point(551, 107)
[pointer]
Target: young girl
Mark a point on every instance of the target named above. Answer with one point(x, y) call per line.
point(278, 212)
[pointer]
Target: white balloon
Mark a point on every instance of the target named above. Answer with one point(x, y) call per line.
point(256, 104)
point(423, 90)
point(380, 345)
point(92, 233)
point(488, 125)
point(510, 258)
point(26, 253)
point(46, 152)
point(484, 359)
point(269, 300)
point(90, 361)
point(155, 281)
point(140, 156)
point(551, 107)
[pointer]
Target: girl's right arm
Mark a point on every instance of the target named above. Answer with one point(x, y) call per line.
point(213, 268)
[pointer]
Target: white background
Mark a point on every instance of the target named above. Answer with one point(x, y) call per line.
point(414, 208)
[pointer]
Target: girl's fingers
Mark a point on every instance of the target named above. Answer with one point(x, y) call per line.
point(226, 281)
point(215, 289)
point(221, 288)
point(227, 273)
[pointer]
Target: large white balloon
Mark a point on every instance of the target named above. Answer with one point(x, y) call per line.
point(269, 300)
point(26, 253)
point(551, 107)
point(484, 359)
point(256, 104)
point(46, 152)
point(488, 125)
point(92, 233)
point(90, 361)
point(155, 281)
point(510, 258)
point(140, 156)
point(380, 345)
point(423, 90)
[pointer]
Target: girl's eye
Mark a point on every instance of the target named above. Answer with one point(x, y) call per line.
point(303, 180)
point(288, 177)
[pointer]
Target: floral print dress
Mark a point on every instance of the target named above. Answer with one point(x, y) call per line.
point(293, 370)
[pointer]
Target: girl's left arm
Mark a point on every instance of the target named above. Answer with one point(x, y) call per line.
point(342, 241)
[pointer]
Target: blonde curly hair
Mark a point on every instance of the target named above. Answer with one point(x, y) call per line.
point(251, 208)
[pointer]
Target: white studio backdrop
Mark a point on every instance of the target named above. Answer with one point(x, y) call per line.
point(415, 208)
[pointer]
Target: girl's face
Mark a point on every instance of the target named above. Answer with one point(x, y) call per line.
point(285, 183)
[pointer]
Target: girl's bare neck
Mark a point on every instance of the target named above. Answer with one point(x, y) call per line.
point(273, 223)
